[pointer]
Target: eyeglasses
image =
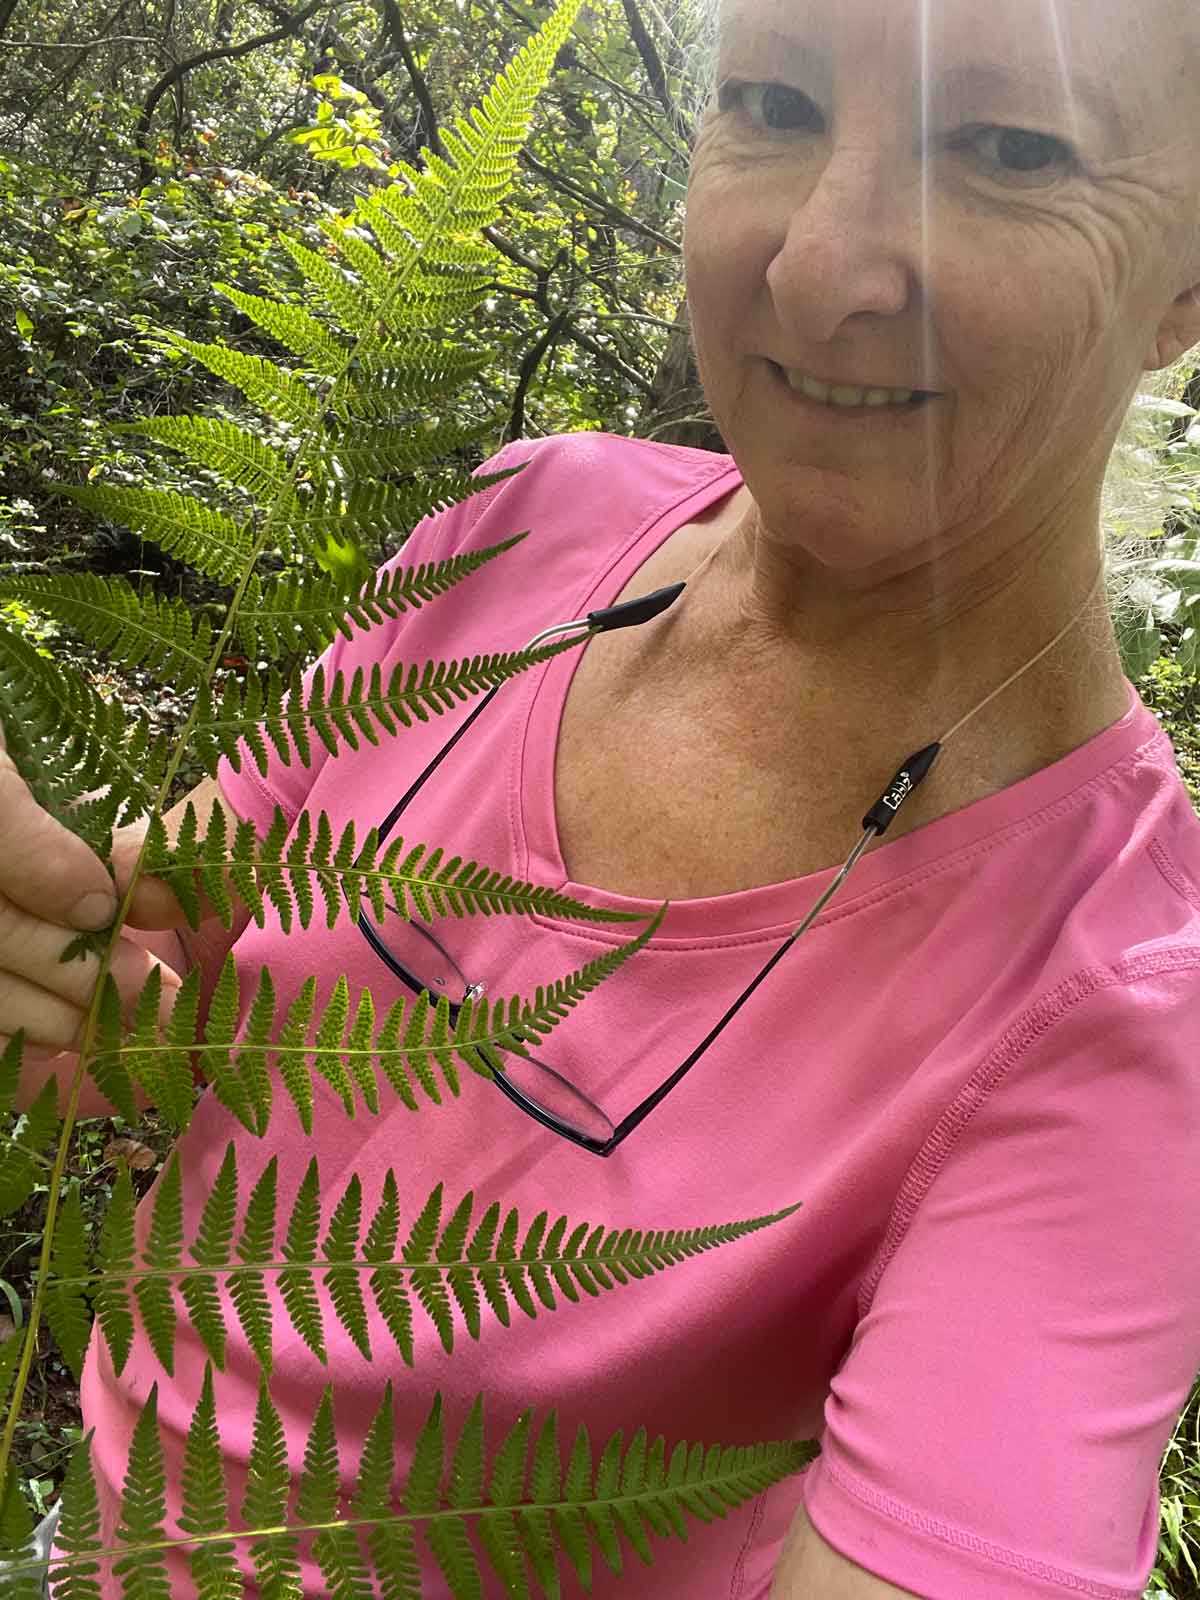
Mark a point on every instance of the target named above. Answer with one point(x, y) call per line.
point(415, 954)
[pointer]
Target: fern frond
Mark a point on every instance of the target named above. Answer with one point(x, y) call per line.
point(622, 1498)
point(67, 1312)
point(350, 240)
point(385, 450)
point(383, 512)
point(414, 1036)
point(293, 328)
point(136, 629)
point(278, 616)
point(114, 1261)
point(279, 393)
point(185, 528)
point(407, 880)
point(481, 151)
point(395, 379)
point(213, 1566)
point(276, 1559)
point(345, 710)
point(350, 305)
point(78, 1531)
point(20, 1579)
point(143, 1509)
point(441, 1265)
point(212, 443)
point(67, 742)
point(20, 1164)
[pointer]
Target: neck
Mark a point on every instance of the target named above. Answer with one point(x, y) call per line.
point(870, 671)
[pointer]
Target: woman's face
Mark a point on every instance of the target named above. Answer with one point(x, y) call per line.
point(992, 201)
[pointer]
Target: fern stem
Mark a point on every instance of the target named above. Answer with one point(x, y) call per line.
point(283, 498)
point(596, 1257)
point(736, 1474)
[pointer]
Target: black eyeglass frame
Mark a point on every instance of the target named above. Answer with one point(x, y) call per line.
point(632, 614)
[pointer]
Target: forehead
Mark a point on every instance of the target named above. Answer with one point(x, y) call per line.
point(1133, 54)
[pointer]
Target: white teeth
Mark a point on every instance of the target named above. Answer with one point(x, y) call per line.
point(844, 395)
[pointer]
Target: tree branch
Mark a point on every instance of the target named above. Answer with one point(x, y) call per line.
point(220, 53)
point(533, 360)
point(605, 207)
point(655, 71)
point(80, 44)
point(394, 23)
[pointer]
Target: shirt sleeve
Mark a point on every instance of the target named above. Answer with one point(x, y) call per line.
point(254, 794)
point(1030, 1330)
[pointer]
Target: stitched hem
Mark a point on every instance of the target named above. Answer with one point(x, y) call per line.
point(1163, 861)
point(737, 1582)
point(998, 1556)
point(1038, 1020)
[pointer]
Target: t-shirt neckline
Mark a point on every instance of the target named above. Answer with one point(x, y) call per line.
point(770, 909)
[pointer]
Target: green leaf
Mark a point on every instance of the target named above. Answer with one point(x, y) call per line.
point(143, 1510)
point(67, 1311)
point(214, 1567)
point(78, 1531)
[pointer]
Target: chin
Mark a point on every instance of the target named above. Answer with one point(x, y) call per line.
point(824, 519)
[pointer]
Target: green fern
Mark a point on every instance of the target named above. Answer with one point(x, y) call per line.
point(285, 866)
point(414, 1037)
point(515, 1514)
point(452, 1270)
point(284, 711)
point(341, 458)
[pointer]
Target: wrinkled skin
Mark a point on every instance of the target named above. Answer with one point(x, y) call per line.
point(879, 234)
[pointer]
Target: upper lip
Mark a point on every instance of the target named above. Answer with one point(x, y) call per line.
point(848, 383)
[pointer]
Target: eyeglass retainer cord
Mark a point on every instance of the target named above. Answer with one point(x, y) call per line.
point(911, 774)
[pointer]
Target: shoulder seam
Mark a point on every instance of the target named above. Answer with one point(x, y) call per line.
point(1036, 1021)
point(1165, 863)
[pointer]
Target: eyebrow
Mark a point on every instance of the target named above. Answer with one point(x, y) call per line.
point(976, 78)
point(1050, 84)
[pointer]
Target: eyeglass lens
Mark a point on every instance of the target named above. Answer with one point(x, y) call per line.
point(416, 948)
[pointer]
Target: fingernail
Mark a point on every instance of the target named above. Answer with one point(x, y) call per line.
point(93, 912)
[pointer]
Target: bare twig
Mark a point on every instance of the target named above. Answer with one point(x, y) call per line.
point(532, 361)
point(79, 44)
point(220, 53)
point(394, 23)
point(600, 203)
point(655, 71)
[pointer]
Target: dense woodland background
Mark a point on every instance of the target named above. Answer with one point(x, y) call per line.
point(152, 148)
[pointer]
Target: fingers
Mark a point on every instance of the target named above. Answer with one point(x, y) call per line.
point(49, 1021)
point(49, 998)
point(44, 868)
point(154, 904)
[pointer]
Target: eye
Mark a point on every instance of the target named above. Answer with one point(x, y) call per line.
point(772, 107)
point(1021, 154)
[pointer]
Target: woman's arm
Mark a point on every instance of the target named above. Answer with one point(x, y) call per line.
point(811, 1569)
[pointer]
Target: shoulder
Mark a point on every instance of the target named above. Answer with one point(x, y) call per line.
point(587, 484)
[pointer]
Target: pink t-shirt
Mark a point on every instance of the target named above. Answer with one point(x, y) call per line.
point(977, 1072)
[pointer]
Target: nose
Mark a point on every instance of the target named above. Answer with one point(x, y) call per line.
point(848, 250)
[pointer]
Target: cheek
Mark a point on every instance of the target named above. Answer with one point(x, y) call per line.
point(733, 230)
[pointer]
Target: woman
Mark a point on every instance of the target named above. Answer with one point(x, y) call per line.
point(930, 250)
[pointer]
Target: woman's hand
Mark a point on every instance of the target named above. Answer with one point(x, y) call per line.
point(51, 888)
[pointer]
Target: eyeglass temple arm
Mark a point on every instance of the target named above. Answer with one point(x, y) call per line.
point(876, 822)
point(629, 615)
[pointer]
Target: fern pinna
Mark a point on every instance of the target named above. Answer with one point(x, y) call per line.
point(351, 458)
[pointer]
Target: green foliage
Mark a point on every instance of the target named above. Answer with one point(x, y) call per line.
point(452, 1271)
point(340, 449)
point(527, 1514)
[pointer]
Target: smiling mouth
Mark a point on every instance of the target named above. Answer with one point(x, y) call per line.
point(845, 397)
